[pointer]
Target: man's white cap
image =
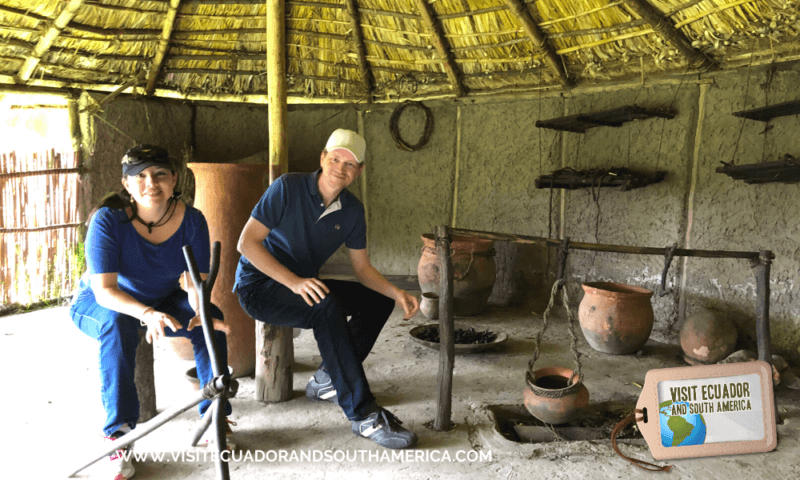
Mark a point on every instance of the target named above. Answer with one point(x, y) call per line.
point(350, 141)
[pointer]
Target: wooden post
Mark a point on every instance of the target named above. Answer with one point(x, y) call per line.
point(145, 380)
point(447, 349)
point(763, 339)
point(274, 346)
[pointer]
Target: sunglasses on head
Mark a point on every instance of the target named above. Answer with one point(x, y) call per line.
point(145, 153)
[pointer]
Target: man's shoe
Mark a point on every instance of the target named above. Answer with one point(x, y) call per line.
point(321, 391)
point(119, 466)
point(384, 429)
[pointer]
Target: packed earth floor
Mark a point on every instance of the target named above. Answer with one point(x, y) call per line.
point(53, 413)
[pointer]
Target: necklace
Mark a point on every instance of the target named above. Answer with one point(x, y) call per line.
point(151, 225)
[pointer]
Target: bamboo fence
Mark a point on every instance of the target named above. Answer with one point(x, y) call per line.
point(39, 226)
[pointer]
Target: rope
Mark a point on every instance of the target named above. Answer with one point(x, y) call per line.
point(426, 134)
point(651, 467)
point(530, 377)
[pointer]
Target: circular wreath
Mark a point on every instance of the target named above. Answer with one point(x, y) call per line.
point(426, 134)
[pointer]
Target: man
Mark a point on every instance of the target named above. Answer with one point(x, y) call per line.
point(300, 221)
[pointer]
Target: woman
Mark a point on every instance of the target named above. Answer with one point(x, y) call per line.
point(135, 261)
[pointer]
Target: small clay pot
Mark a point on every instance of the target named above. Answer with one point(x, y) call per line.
point(707, 337)
point(429, 305)
point(555, 395)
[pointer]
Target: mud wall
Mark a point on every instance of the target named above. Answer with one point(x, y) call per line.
point(479, 167)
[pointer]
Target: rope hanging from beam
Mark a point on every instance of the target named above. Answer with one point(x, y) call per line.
point(426, 134)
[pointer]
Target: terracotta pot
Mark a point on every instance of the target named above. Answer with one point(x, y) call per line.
point(616, 318)
point(473, 272)
point(707, 337)
point(555, 395)
point(226, 194)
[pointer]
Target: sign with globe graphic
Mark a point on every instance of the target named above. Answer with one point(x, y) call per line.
point(680, 428)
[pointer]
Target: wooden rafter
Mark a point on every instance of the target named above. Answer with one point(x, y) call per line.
point(44, 43)
point(552, 60)
point(163, 45)
point(358, 39)
point(666, 28)
point(442, 46)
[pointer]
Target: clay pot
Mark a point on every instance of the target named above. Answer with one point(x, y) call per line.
point(616, 318)
point(707, 337)
point(429, 305)
point(473, 272)
point(555, 395)
point(226, 194)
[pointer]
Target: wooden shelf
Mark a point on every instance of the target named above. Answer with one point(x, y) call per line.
point(607, 118)
point(782, 171)
point(765, 114)
point(621, 178)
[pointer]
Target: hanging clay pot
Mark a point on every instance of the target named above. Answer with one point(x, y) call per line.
point(556, 395)
point(707, 337)
point(616, 318)
point(473, 272)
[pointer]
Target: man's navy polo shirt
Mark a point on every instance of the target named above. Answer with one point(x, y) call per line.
point(303, 233)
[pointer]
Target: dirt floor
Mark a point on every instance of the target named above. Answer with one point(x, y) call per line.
point(53, 413)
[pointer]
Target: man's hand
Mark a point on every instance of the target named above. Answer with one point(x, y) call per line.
point(216, 323)
point(311, 289)
point(409, 303)
point(155, 322)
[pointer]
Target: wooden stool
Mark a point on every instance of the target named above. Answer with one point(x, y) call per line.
point(274, 360)
point(145, 380)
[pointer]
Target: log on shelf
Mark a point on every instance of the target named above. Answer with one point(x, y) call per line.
point(621, 178)
point(782, 171)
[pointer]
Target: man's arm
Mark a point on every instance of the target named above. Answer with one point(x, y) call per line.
point(250, 245)
point(372, 278)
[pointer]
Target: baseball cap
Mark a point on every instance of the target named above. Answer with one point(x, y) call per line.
point(143, 156)
point(348, 140)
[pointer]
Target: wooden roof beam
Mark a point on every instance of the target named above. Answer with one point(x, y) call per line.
point(666, 28)
point(163, 45)
point(442, 46)
point(358, 40)
point(46, 40)
point(539, 39)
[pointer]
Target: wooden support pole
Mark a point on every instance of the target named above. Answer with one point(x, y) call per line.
point(674, 37)
point(144, 379)
point(46, 40)
point(442, 46)
point(163, 45)
point(447, 349)
point(274, 346)
point(762, 268)
point(538, 37)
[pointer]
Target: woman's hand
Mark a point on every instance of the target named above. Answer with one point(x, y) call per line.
point(409, 303)
point(155, 322)
point(215, 322)
point(311, 289)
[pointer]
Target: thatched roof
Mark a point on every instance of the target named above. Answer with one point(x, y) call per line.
point(379, 50)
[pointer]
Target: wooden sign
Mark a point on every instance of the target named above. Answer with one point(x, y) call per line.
point(708, 410)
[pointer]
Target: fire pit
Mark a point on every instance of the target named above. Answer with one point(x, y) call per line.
point(467, 339)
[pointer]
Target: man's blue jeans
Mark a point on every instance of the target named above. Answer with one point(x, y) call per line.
point(118, 337)
point(343, 345)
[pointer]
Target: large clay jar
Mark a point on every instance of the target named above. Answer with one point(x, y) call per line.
point(555, 396)
point(226, 194)
point(616, 318)
point(707, 337)
point(473, 272)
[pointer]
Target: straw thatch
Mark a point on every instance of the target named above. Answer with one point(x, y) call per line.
point(383, 50)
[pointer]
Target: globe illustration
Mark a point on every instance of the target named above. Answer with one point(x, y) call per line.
point(680, 430)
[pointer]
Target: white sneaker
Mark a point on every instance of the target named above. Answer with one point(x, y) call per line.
point(119, 464)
